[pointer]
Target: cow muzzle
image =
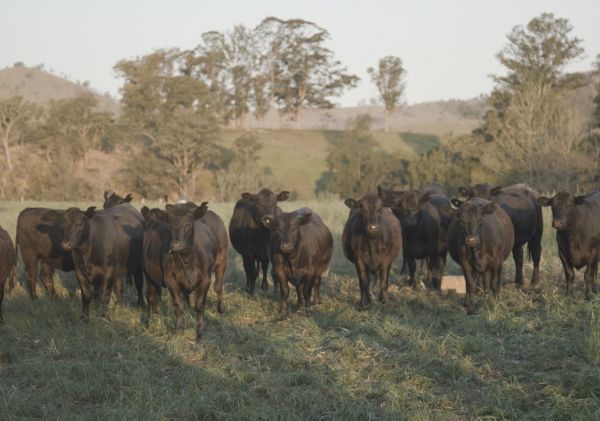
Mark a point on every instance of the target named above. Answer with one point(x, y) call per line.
point(411, 221)
point(286, 247)
point(373, 229)
point(558, 224)
point(176, 246)
point(472, 241)
point(267, 220)
point(67, 245)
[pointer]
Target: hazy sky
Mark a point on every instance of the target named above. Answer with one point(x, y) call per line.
point(448, 47)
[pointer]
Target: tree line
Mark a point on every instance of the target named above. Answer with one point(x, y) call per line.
point(175, 103)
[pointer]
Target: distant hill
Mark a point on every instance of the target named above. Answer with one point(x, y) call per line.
point(39, 86)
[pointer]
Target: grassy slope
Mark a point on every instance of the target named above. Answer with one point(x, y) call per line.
point(536, 355)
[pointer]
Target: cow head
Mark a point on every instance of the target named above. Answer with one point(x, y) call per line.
point(409, 205)
point(180, 220)
point(483, 190)
point(562, 204)
point(391, 198)
point(264, 205)
point(370, 208)
point(113, 199)
point(154, 214)
point(286, 228)
point(470, 218)
point(74, 223)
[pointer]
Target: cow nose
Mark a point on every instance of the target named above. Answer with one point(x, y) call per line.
point(373, 228)
point(176, 246)
point(558, 224)
point(67, 245)
point(472, 241)
point(411, 221)
point(286, 246)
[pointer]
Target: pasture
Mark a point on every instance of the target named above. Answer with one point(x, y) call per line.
point(535, 355)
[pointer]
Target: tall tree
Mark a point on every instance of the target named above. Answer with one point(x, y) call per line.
point(531, 121)
point(389, 80)
point(15, 115)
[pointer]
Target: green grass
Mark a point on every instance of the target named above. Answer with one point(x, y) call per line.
point(536, 355)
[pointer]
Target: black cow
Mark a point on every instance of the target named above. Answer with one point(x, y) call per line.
point(39, 235)
point(300, 248)
point(371, 239)
point(131, 230)
point(424, 227)
point(577, 223)
point(521, 204)
point(252, 217)
point(94, 240)
point(480, 238)
point(184, 246)
point(8, 265)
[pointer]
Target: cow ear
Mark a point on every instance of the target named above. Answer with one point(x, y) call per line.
point(267, 221)
point(579, 200)
point(128, 198)
point(284, 195)
point(544, 201)
point(351, 203)
point(457, 202)
point(489, 208)
point(447, 209)
point(145, 212)
point(201, 210)
point(496, 191)
point(158, 214)
point(380, 192)
point(52, 216)
point(247, 196)
point(424, 198)
point(464, 191)
point(90, 212)
point(170, 208)
point(305, 218)
point(107, 194)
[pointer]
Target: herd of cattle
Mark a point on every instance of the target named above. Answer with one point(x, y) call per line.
point(184, 245)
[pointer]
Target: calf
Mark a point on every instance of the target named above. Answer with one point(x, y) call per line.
point(100, 256)
point(480, 238)
point(521, 204)
point(252, 218)
point(39, 235)
point(424, 228)
point(576, 220)
point(191, 245)
point(300, 248)
point(371, 239)
point(130, 224)
point(8, 266)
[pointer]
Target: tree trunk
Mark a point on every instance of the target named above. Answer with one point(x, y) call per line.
point(298, 118)
point(7, 151)
point(388, 115)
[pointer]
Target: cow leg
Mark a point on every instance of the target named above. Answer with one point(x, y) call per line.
point(220, 284)
point(496, 284)
point(30, 263)
point(251, 273)
point(1, 299)
point(119, 289)
point(317, 288)
point(106, 286)
point(47, 278)
point(434, 272)
point(177, 301)
point(569, 272)
point(590, 277)
point(138, 279)
point(86, 295)
point(152, 296)
point(284, 288)
point(471, 287)
point(412, 268)
point(299, 299)
point(264, 265)
point(363, 282)
point(201, 292)
point(384, 277)
point(534, 247)
point(518, 257)
point(307, 290)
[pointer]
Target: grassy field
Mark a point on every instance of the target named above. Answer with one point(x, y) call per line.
point(536, 355)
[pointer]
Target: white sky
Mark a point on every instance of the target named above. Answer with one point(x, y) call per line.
point(448, 47)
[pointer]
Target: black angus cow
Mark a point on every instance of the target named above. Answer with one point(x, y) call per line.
point(576, 220)
point(8, 266)
point(521, 204)
point(183, 247)
point(300, 249)
point(371, 239)
point(94, 240)
point(424, 227)
point(131, 233)
point(252, 217)
point(40, 232)
point(480, 238)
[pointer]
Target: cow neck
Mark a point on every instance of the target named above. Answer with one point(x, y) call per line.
point(187, 263)
point(570, 232)
point(79, 254)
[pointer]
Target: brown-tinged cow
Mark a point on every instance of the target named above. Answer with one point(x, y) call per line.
point(8, 266)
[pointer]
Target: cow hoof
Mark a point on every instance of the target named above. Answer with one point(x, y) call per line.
point(363, 307)
point(265, 287)
point(250, 292)
point(220, 308)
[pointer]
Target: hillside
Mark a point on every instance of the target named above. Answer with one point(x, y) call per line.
point(41, 87)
